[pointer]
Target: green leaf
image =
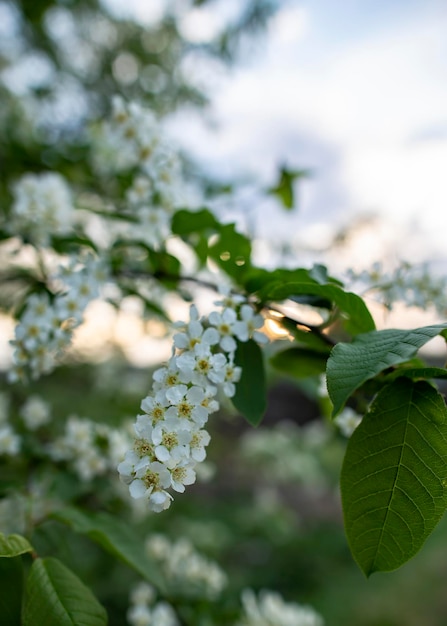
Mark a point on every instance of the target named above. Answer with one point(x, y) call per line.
point(357, 318)
point(251, 391)
point(352, 364)
point(11, 588)
point(116, 537)
point(231, 251)
point(69, 243)
point(299, 362)
point(185, 222)
point(13, 545)
point(319, 273)
point(55, 596)
point(419, 373)
point(284, 188)
point(164, 265)
point(394, 476)
point(259, 280)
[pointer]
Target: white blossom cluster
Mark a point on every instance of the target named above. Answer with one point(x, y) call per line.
point(143, 611)
point(42, 206)
point(46, 325)
point(187, 572)
point(413, 285)
point(132, 140)
point(91, 449)
point(270, 609)
point(170, 434)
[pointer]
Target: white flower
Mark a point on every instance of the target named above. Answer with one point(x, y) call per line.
point(140, 191)
point(224, 323)
point(167, 376)
point(209, 402)
point(187, 403)
point(171, 443)
point(199, 440)
point(194, 333)
point(182, 475)
point(139, 615)
point(160, 501)
point(79, 432)
point(9, 441)
point(186, 571)
point(202, 365)
point(126, 468)
point(143, 427)
point(232, 376)
point(271, 610)
point(42, 206)
point(230, 300)
point(164, 615)
point(30, 332)
point(153, 228)
point(45, 329)
point(35, 412)
point(347, 421)
point(70, 307)
point(245, 328)
point(158, 546)
point(142, 593)
point(149, 477)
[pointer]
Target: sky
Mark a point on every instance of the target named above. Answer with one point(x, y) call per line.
point(355, 91)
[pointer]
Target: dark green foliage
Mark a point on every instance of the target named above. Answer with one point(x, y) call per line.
point(56, 597)
point(250, 398)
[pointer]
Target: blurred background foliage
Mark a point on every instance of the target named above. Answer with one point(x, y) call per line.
point(60, 63)
point(269, 523)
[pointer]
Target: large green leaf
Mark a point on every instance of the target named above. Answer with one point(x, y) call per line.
point(14, 545)
point(11, 588)
point(394, 475)
point(251, 391)
point(352, 364)
point(115, 536)
point(55, 596)
point(299, 362)
point(355, 314)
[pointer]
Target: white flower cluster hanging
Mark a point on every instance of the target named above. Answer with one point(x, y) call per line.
point(47, 323)
point(170, 434)
point(42, 206)
point(132, 140)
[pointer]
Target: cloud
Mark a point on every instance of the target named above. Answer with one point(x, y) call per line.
point(368, 114)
